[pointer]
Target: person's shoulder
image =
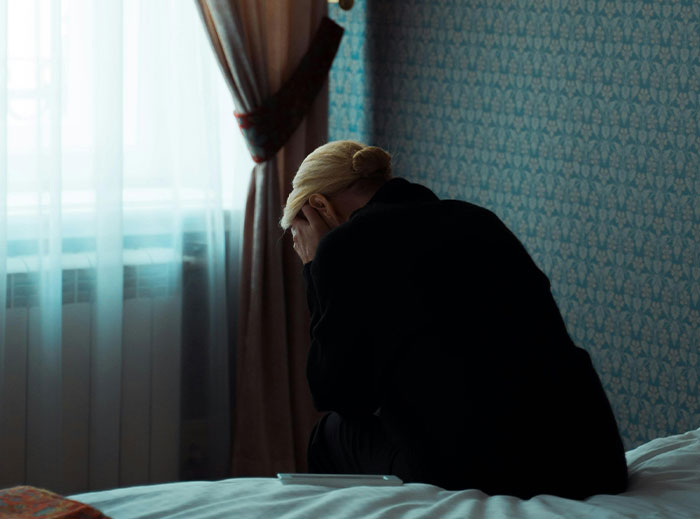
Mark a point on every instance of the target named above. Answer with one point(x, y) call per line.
point(436, 216)
point(464, 207)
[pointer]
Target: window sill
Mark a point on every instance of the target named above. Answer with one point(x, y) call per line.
point(88, 260)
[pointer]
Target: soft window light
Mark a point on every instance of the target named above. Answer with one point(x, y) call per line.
point(122, 180)
point(181, 146)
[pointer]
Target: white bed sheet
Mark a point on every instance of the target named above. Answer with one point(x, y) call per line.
point(664, 483)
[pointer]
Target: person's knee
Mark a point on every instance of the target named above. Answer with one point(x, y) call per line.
point(317, 452)
point(328, 425)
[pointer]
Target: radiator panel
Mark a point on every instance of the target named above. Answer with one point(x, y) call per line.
point(135, 438)
point(76, 335)
point(165, 439)
point(13, 399)
point(136, 392)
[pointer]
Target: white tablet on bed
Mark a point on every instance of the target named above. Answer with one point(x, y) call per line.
point(339, 480)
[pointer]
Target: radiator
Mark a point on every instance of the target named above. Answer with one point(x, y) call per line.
point(144, 446)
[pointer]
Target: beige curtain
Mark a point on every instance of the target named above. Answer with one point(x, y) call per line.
point(259, 43)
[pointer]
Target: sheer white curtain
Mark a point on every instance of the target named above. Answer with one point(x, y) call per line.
point(120, 168)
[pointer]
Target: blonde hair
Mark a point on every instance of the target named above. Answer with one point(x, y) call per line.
point(332, 168)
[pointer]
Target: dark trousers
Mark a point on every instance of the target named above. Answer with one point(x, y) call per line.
point(341, 445)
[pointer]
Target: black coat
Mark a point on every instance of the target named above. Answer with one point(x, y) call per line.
point(431, 314)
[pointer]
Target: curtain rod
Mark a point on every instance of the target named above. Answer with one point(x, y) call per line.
point(344, 4)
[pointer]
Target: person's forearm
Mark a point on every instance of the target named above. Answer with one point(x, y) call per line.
point(311, 294)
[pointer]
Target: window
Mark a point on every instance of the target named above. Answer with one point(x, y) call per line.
point(90, 99)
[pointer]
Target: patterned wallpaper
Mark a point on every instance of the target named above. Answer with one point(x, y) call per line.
point(577, 123)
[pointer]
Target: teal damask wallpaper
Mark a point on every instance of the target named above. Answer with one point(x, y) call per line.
point(576, 121)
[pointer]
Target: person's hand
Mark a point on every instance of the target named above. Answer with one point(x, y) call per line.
point(307, 232)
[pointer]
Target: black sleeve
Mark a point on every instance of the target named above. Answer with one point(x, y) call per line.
point(341, 368)
point(311, 297)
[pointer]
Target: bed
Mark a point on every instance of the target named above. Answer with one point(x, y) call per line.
point(664, 483)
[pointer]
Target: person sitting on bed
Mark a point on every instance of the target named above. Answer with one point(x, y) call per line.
point(436, 344)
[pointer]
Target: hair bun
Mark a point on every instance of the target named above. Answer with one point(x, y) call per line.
point(372, 162)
